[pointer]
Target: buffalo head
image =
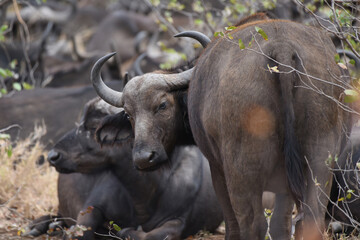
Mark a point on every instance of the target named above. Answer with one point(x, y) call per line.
point(77, 150)
point(155, 104)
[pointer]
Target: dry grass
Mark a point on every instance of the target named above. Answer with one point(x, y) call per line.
point(27, 190)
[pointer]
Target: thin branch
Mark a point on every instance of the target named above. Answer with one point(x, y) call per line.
point(9, 127)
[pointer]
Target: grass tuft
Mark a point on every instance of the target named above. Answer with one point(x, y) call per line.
point(27, 190)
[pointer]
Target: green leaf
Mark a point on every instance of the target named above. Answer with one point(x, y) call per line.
point(163, 27)
point(269, 4)
point(165, 65)
point(9, 151)
point(6, 73)
point(230, 28)
point(9, 73)
point(337, 58)
point(3, 72)
point(250, 43)
point(241, 44)
point(17, 86)
point(4, 136)
point(230, 36)
point(27, 86)
point(352, 61)
point(155, 2)
point(183, 56)
point(13, 64)
point(348, 196)
point(3, 91)
point(351, 95)
point(111, 222)
point(311, 7)
point(198, 21)
point(261, 32)
point(219, 33)
point(116, 227)
point(4, 28)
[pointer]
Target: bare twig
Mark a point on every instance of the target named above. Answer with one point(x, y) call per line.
point(9, 127)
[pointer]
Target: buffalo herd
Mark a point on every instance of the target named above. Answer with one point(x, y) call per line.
point(256, 120)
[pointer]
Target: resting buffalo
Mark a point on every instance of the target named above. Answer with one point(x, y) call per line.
point(58, 108)
point(89, 200)
point(174, 204)
point(265, 116)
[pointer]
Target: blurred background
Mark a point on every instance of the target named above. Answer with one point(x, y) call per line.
point(47, 49)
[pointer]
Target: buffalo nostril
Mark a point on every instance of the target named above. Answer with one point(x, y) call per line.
point(144, 159)
point(151, 157)
point(53, 156)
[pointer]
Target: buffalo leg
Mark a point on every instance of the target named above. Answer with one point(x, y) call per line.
point(318, 179)
point(170, 230)
point(280, 225)
point(231, 226)
point(247, 174)
point(92, 220)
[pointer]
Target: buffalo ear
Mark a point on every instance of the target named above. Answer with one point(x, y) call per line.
point(114, 129)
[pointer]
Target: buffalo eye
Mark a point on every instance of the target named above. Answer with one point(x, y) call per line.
point(162, 106)
point(128, 117)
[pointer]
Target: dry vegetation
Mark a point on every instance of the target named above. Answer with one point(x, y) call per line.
point(27, 190)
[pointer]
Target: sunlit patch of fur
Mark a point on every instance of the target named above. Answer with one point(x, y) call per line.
point(259, 122)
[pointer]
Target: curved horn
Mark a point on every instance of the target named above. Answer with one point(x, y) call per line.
point(179, 80)
point(351, 55)
point(202, 38)
point(107, 94)
point(137, 64)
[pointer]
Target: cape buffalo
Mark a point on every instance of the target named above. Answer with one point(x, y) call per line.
point(266, 116)
point(173, 204)
point(89, 200)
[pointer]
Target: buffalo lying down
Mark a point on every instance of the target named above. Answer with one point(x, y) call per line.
point(90, 200)
point(263, 116)
point(173, 204)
